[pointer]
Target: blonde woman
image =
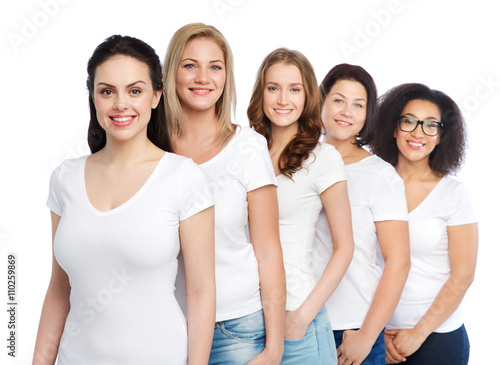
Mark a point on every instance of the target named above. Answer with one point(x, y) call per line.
point(250, 280)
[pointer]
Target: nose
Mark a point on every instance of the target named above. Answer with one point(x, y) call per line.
point(283, 98)
point(418, 132)
point(346, 110)
point(201, 76)
point(120, 102)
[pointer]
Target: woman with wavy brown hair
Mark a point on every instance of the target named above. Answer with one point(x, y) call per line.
point(285, 109)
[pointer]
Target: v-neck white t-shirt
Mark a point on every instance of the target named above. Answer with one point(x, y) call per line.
point(448, 204)
point(376, 193)
point(122, 265)
point(299, 207)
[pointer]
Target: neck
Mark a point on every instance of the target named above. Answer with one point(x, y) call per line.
point(200, 125)
point(129, 151)
point(348, 149)
point(281, 136)
point(415, 170)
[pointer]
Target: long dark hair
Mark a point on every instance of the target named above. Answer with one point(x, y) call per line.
point(141, 51)
point(309, 131)
point(447, 157)
point(345, 71)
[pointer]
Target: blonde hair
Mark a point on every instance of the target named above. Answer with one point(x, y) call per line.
point(226, 102)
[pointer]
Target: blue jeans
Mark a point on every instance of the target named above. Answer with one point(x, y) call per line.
point(376, 355)
point(237, 341)
point(317, 347)
point(450, 348)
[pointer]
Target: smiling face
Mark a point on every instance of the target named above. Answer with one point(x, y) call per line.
point(124, 97)
point(284, 95)
point(415, 146)
point(201, 75)
point(344, 111)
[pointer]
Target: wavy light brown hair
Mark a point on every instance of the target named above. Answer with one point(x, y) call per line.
point(226, 102)
point(448, 156)
point(309, 124)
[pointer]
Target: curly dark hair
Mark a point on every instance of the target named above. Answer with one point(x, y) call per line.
point(349, 72)
point(141, 51)
point(448, 156)
point(309, 124)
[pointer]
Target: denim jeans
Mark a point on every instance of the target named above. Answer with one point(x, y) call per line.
point(376, 355)
point(237, 341)
point(317, 347)
point(450, 348)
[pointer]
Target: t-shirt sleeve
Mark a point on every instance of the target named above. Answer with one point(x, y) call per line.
point(195, 193)
point(388, 197)
point(54, 200)
point(328, 168)
point(462, 210)
point(258, 168)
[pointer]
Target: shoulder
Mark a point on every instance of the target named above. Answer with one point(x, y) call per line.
point(70, 166)
point(244, 134)
point(325, 152)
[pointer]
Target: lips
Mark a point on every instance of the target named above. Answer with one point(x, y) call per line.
point(415, 144)
point(122, 120)
point(200, 91)
point(342, 123)
point(283, 111)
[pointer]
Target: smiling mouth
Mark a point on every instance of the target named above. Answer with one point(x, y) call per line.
point(343, 123)
point(416, 144)
point(283, 111)
point(122, 119)
point(201, 91)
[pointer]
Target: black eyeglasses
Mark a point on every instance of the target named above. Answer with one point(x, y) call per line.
point(429, 127)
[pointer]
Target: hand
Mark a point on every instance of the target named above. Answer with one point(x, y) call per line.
point(295, 326)
point(406, 341)
point(267, 357)
point(392, 356)
point(354, 349)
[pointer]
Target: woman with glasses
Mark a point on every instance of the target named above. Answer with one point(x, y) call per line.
point(422, 133)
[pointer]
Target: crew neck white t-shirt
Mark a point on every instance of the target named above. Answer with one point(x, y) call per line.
point(448, 204)
point(376, 193)
point(122, 265)
point(299, 207)
point(243, 165)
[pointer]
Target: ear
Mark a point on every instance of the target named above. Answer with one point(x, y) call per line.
point(156, 98)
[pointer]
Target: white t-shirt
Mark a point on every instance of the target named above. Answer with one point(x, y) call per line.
point(122, 265)
point(448, 204)
point(376, 193)
point(299, 206)
point(242, 166)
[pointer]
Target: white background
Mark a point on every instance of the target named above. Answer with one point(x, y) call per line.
point(45, 44)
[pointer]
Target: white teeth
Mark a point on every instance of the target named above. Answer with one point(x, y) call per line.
point(283, 111)
point(204, 91)
point(415, 144)
point(343, 123)
point(122, 120)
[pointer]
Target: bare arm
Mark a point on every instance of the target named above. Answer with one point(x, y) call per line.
point(462, 250)
point(338, 212)
point(54, 311)
point(394, 243)
point(263, 221)
point(197, 244)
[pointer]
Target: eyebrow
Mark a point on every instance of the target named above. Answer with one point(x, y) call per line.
point(129, 85)
point(414, 116)
point(362, 99)
point(275, 83)
point(195, 60)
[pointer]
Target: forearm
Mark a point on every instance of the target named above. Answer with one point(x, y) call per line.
point(446, 303)
point(273, 293)
point(201, 320)
point(386, 297)
point(54, 313)
point(332, 275)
